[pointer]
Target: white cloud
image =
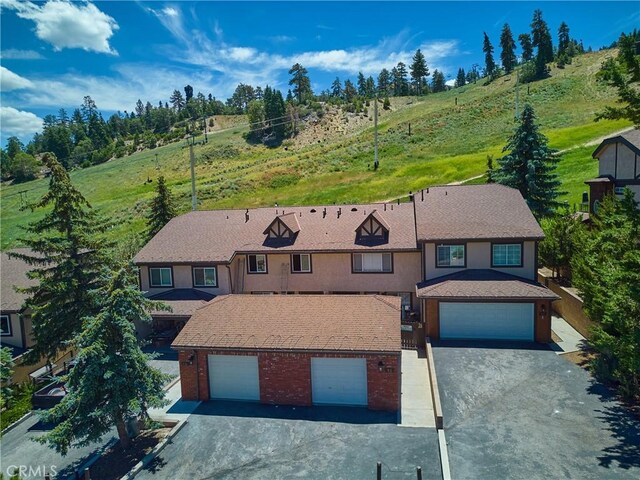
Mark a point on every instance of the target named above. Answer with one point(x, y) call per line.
point(14, 54)
point(18, 122)
point(68, 25)
point(12, 81)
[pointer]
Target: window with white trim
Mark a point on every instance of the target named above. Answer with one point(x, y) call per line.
point(257, 263)
point(205, 277)
point(450, 256)
point(160, 277)
point(507, 255)
point(372, 262)
point(5, 325)
point(301, 263)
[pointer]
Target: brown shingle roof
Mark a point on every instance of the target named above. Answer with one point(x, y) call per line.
point(215, 235)
point(474, 212)
point(13, 273)
point(295, 322)
point(483, 284)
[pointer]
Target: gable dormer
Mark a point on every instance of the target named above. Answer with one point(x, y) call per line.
point(373, 231)
point(284, 228)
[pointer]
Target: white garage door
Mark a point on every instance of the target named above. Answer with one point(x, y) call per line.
point(500, 321)
point(234, 377)
point(339, 381)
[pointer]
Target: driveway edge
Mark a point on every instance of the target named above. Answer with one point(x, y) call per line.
point(27, 415)
point(154, 453)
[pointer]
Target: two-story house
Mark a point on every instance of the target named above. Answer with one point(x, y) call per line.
point(618, 168)
point(302, 305)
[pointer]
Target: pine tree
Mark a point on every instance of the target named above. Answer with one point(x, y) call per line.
point(6, 372)
point(508, 46)
point(542, 40)
point(461, 79)
point(489, 63)
point(530, 165)
point(349, 91)
point(336, 88)
point(563, 39)
point(67, 256)
point(527, 46)
point(112, 381)
point(401, 85)
point(188, 93)
point(370, 87)
point(162, 208)
point(362, 84)
point(418, 71)
point(384, 82)
point(438, 82)
point(489, 173)
point(177, 100)
point(300, 82)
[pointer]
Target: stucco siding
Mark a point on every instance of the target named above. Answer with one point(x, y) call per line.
point(331, 272)
point(626, 162)
point(478, 256)
point(607, 161)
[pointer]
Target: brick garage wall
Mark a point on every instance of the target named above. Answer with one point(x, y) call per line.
point(285, 378)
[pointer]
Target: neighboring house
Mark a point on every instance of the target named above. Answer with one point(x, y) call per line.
point(15, 319)
point(618, 167)
point(463, 258)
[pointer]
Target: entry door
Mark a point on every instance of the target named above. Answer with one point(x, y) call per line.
point(339, 381)
point(499, 321)
point(234, 377)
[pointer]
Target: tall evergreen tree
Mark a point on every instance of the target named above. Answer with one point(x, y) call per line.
point(438, 82)
point(177, 100)
point(384, 82)
point(507, 46)
point(563, 39)
point(542, 41)
point(349, 91)
point(336, 88)
point(188, 93)
point(401, 84)
point(362, 84)
point(300, 82)
point(461, 79)
point(112, 381)
point(489, 63)
point(162, 208)
point(527, 46)
point(419, 71)
point(530, 165)
point(68, 257)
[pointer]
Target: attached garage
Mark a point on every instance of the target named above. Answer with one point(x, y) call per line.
point(499, 321)
point(486, 305)
point(339, 381)
point(234, 377)
point(294, 350)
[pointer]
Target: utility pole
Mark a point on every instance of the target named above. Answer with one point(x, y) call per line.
point(375, 134)
point(517, 91)
point(193, 174)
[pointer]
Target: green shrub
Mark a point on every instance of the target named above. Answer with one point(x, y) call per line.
point(19, 405)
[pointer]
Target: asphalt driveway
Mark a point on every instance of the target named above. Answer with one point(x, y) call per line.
point(250, 441)
point(521, 411)
point(19, 449)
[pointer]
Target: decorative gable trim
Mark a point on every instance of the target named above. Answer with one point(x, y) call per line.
point(283, 228)
point(373, 229)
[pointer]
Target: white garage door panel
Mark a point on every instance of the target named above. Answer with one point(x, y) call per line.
point(500, 321)
point(234, 377)
point(339, 381)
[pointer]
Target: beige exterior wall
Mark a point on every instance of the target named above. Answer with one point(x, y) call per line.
point(182, 278)
point(478, 255)
point(331, 272)
point(628, 162)
point(15, 339)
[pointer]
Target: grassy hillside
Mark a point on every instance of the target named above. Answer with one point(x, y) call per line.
point(449, 142)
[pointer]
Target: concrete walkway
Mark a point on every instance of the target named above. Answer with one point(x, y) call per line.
point(177, 409)
point(571, 339)
point(416, 408)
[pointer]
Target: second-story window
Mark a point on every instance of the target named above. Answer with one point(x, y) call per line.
point(205, 277)
point(257, 263)
point(450, 256)
point(506, 255)
point(5, 325)
point(372, 263)
point(301, 263)
point(160, 277)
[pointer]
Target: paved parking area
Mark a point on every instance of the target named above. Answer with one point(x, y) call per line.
point(521, 411)
point(250, 441)
point(18, 448)
point(166, 360)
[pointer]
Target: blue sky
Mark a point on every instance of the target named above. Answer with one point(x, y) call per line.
point(54, 53)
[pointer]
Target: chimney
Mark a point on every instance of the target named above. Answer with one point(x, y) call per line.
point(410, 196)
